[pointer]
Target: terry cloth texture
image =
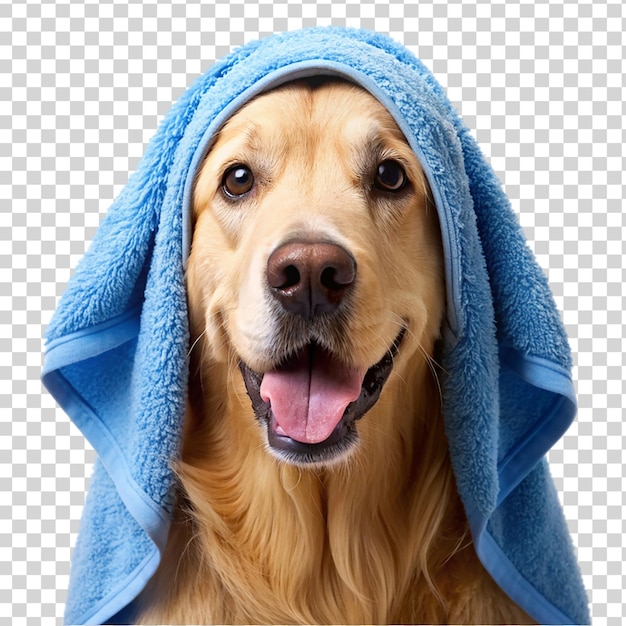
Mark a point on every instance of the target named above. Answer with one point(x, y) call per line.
point(117, 346)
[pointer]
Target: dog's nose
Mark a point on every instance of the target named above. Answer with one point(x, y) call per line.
point(310, 278)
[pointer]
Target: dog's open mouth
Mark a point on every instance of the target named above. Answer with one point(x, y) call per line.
point(309, 403)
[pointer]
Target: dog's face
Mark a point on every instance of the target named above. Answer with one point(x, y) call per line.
point(316, 266)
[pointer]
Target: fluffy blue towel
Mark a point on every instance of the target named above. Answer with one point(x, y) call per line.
point(117, 346)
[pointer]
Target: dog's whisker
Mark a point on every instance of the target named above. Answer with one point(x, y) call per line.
point(195, 343)
point(432, 366)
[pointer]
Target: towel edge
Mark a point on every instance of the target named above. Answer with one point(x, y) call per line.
point(520, 590)
point(124, 594)
point(543, 374)
point(79, 346)
point(551, 376)
point(88, 342)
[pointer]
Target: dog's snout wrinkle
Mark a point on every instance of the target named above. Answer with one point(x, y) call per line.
point(309, 278)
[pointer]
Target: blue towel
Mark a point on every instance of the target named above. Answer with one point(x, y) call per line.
point(116, 356)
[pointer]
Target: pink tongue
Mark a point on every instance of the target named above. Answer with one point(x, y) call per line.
point(308, 399)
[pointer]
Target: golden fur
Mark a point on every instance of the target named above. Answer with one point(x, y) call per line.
point(378, 536)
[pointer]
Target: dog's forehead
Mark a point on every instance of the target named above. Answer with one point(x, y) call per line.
point(338, 108)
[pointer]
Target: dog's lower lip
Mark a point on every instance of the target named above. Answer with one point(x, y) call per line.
point(345, 433)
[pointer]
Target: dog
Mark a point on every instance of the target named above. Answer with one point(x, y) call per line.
point(315, 480)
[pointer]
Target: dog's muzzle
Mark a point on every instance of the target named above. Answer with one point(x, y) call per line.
point(310, 400)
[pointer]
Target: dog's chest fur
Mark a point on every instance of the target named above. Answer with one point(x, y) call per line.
point(366, 543)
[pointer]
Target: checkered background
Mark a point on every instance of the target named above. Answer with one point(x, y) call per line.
point(83, 85)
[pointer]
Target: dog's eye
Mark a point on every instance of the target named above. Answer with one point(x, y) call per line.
point(237, 181)
point(390, 176)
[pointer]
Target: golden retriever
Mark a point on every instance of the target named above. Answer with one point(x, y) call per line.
point(315, 480)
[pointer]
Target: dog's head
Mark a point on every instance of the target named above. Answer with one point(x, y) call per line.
point(316, 266)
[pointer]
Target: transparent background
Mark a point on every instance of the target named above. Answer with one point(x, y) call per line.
point(83, 86)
